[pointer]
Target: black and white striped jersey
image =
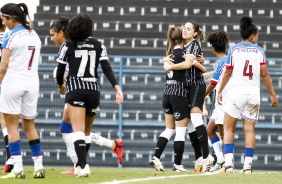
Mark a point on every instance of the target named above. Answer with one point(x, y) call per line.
point(194, 75)
point(175, 80)
point(83, 60)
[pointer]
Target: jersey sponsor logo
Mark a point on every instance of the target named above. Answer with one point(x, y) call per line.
point(85, 45)
point(166, 110)
point(96, 110)
point(177, 115)
point(78, 103)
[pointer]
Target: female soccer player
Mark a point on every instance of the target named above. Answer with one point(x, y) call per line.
point(218, 41)
point(20, 86)
point(83, 54)
point(245, 64)
point(175, 105)
point(57, 33)
point(192, 34)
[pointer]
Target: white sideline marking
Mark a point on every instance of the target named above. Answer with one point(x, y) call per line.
point(174, 176)
point(154, 178)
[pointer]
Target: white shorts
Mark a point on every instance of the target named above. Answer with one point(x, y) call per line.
point(244, 106)
point(218, 115)
point(21, 102)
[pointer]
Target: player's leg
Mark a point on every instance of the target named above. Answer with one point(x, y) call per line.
point(250, 143)
point(216, 120)
point(229, 129)
point(162, 142)
point(181, 117)
point(28, 113)
point(8, 166)
point(77, 117)
point(10, 101)
point(179, 142)
point(165, 135)
point(35, 147)
point(115, 145)
point(66, 131)
point(82, 116)
point(250, 116)
point(196, 100)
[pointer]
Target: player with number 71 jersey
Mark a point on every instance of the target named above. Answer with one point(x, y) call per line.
point(25, 46)
point(83, 59)
point(245, 60)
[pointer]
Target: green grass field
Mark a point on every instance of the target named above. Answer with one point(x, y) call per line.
point(145, 176)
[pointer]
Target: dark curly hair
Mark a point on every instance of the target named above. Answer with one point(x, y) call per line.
point(80, 27)
point(218, 40)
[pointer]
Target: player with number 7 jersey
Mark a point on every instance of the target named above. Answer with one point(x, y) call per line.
point(24, 46)
point(20, 87)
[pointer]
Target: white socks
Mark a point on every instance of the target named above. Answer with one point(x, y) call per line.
point(70, 146)
point(101, 141)
point(217, 147)
point(38, 162)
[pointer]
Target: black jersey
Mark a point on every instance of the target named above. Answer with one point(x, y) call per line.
point(194, 75)
point(83, 59)
point(175, 80)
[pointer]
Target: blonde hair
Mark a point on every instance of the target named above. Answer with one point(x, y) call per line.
point(174, 37)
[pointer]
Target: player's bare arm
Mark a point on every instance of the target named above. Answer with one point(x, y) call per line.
point(181, 66)
point(268, 84)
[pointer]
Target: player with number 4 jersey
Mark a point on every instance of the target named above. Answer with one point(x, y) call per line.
point(245, 65)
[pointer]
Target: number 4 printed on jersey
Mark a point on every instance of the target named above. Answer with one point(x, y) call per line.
point(248, 70)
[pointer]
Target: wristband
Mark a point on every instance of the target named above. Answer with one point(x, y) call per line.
point(193, 62)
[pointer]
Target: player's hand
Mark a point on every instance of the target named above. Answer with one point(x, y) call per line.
point(274, 101)
point(119, 97)
point(219, 98)
point(167, 67)
point(168, 59)
point(200, 58)
point(62, 89)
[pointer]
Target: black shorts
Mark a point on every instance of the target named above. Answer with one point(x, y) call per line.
point(176, 105)
point(196, 96)
point(85, 98)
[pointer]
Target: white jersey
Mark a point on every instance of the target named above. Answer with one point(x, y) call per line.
point(245, 60)
point(25, 48)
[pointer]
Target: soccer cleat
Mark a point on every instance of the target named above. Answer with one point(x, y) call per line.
point(217, 166)
point(178, 168)
point(84, 172)
point(39, 174)
point(246, 170)
point(119, 150)
point(198, 164)
point(13, 175)
point(7, 168)
point(157, 164)
point(77, 170)
point(207, 163)
point(71, 171)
